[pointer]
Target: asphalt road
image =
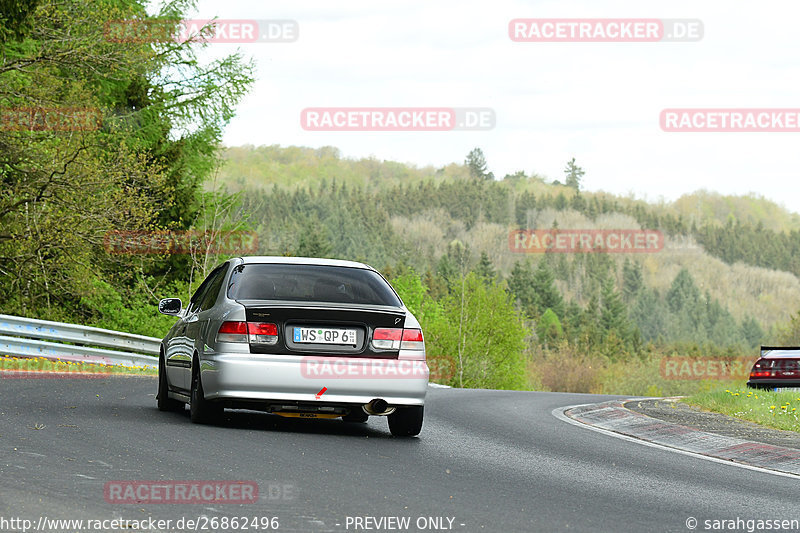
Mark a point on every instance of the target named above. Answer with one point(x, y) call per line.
point(489, 460)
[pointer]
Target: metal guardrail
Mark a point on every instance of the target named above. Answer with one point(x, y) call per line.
point(28, 337)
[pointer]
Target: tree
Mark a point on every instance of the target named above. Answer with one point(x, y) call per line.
point(546, 293)
point(613, 315)
point(486, 335)
point(573, 174)
point(519, 175)
point(143, 125)
point(651, 315)
point(15, 19)
point(683, 293)
point(548, 328)
point(520, 283)
point(476, 164)
point(485, 269)
point(632, 281)
point(313, 242)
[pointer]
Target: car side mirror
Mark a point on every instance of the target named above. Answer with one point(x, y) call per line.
point(170, 306)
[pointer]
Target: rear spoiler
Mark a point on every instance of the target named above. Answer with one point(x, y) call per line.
point(766, 349)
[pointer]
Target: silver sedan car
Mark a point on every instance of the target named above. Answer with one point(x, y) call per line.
point(298, 337)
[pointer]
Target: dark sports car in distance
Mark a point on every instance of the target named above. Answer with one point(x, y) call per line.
point(298, 337)
point(777, 368)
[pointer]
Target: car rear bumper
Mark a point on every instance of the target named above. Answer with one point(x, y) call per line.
point(347, 380)
point(773, 383)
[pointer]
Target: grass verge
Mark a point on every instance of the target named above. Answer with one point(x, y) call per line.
point(779, 410)
point(21, 366)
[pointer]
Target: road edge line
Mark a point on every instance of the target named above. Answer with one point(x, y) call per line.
point(559, 413)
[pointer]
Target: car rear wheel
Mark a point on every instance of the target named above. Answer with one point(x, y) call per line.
point(165, 403)
point(406, 421)
point(201, 410)
point(356, 415)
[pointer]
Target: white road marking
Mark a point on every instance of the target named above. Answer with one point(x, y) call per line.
point(558, 412)
point(34, 454)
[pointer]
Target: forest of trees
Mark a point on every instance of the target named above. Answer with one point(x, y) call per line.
point(584, 303)
point(139, 164)
point(153, 161)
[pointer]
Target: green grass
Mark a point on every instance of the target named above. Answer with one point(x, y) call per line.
point(780, 410)
point(40, 364)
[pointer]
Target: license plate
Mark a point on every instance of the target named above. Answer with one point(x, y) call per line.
point(787, 389)
point(325, 336)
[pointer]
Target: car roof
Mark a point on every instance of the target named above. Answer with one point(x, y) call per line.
point(256, 259)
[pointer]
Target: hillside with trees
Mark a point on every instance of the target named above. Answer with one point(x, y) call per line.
point(721, 285)
point(137, 148)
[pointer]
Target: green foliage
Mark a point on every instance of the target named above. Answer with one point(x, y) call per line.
point(105, 307)
point(548, 328)
point(547, 295)
point(573, 174)
point(632, 280)
point(613, 314)
point(154, 162)
point(485, 269)
point(15, 19)
point(520, 283)
point(476, 163)
point(789, 334)
point(475, 334)
point(143, 123)
point(313, 242)
point(778, 409)
point(487, 336)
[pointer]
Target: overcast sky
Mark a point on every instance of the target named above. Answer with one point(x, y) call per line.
point(597, 102)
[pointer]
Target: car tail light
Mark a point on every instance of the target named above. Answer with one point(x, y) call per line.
point(387, 338)
point(253, 332)
point(262, 332)
point(761, 369)
point(232, 332)
point(412, 340)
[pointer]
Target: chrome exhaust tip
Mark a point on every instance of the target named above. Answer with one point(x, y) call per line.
point(378, 407)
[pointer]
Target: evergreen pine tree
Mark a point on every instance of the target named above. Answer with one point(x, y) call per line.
point(632, 280)
point(485, 269)
point(545, 290)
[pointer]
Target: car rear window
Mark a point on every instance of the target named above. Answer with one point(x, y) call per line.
point(310, 283)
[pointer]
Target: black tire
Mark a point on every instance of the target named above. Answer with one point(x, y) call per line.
point(356, 415)
point(165, 403)
point(201, 411)
point(406, 421)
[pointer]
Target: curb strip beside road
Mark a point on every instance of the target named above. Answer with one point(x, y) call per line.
point(614, 417)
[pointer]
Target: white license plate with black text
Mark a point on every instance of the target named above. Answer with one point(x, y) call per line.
point(324, 336)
